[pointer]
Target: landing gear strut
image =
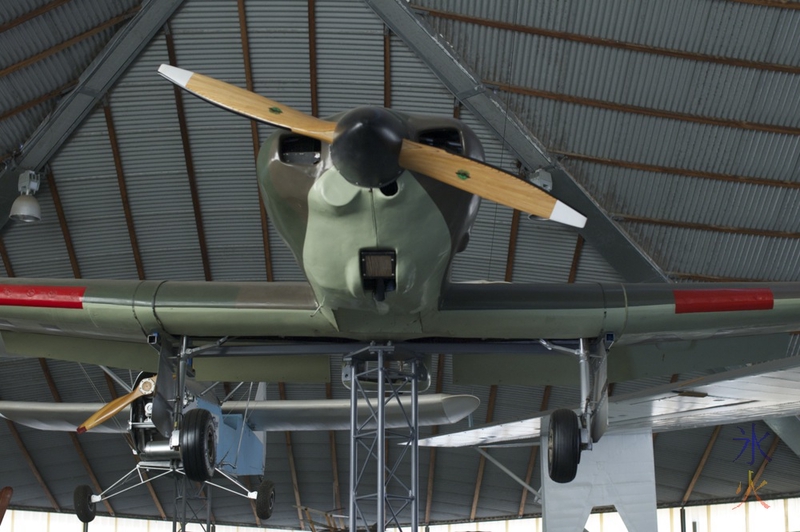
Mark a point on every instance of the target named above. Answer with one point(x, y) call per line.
point(570, 433)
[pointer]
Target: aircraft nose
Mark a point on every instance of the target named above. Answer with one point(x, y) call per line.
point(366, 146)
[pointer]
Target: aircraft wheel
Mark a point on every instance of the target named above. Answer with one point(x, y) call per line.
point(563, 446)
point(82, 502)
point(198, 445)
point(265, 499)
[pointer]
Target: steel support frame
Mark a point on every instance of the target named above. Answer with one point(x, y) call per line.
point(390, 496)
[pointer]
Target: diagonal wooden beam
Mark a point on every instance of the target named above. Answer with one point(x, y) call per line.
point(32, 14)
point(248, 75)
point(337, 492)
point(434, 432)
point(387, 67)
point(187, 154)
point(576, 259)
point(36, 101)
point(123, 189)
point(73, 437)
point(312, 56)
point(534, 452)
point(292, 467)
point(685, 172)
point(482, 464)
point(62, 221)
point(777, 4)
point(701, 465)
point(644, 111)
point(617, 44)
point(69, 42)
point(513, 236)
point(704, 227)
point(772, 448)
point(6, 259)
point(12, 428)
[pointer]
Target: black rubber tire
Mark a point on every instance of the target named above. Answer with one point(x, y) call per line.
point(198, 445)
point(82, 502)
point(564, 446)
point(265, 499)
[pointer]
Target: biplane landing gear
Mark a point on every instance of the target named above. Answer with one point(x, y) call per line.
point(563, 445)
point(265, 499)
point(82, 502)
point(198, 445)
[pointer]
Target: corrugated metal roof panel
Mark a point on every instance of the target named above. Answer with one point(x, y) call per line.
point(415, 89)
point(544, 251)
point(155, 172)
point(87, 183)
point(349, 56)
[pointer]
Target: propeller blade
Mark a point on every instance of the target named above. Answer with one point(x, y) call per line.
point(145, 387)
point(487, 182)
point(249, 104)
point(466, 174)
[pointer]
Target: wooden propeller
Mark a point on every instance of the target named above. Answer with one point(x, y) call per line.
point(466, 174)
point(146, 387)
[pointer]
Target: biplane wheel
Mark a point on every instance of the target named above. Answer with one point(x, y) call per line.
point(198, 445)
point(265, 499)
point(82, 502)
point(563, 446)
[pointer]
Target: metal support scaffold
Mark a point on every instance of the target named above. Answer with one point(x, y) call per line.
point(378, 377)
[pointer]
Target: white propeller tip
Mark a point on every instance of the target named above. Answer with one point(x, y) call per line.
point(176, 75)
point(565, 214)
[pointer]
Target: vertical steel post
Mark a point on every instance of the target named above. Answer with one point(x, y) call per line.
point(414, 445)
point(353, 444)
point(381, 444)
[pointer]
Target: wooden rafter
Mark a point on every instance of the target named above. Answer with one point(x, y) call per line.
point(248, 76)
point(12, 428)
point(292, 467)
point(482, 464)
point(6, 259)
point(69, 42)
point(617, 44)
point(73, 437)
point(123, 189)
point(434, 432)
point(62, 221)
point(777, 4)
point(709, 278)
point(387, 67)
point(534, 453)
point(513, 235)
point(644, 111)
point(36, 101)
point(685, 172)
point(701, 465)
point(337, 492)
point(312, 56)
point(187, 154)
point(772, 448)
point(704, 227)
point(32, 14)
point(576, 259)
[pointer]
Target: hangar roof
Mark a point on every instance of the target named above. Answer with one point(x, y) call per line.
point(676, 124)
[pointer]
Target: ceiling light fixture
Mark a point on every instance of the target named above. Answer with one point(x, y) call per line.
point(26, 207)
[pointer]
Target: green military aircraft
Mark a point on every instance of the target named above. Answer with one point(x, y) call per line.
point(375, 204)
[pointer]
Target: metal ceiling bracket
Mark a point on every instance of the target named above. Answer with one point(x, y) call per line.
point(95, 82)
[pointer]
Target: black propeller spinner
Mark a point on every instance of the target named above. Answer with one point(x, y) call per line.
point(366, 146)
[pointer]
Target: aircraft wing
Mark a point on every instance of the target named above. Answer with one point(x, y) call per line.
point(761, 391)
point(324, 414)
point(107, 322)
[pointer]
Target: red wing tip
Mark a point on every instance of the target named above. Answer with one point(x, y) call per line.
point(81, 429)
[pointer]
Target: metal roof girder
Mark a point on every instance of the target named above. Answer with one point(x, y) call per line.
point(95, 81)
point(611, 242)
